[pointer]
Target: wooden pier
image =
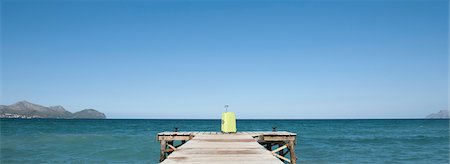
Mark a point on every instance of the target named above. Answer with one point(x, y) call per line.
point(217, 147)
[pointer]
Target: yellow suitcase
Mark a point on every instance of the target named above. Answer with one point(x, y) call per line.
point(228, 122)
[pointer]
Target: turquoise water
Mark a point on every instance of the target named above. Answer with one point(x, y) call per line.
point(134, 141)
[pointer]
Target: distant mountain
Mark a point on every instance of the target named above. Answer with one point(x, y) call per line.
point(24, 109)
point(442, 114)
point(88, 113)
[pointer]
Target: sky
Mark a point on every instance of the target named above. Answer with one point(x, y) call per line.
point(310, 59)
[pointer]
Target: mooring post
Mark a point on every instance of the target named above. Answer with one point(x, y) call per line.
point(162, 155)
point(291, 146)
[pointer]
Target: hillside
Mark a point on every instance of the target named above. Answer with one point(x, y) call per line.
point(24, 109)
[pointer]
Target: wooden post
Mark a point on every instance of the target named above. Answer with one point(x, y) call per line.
point(162, 155)
point(291, 147)
point(172, 147)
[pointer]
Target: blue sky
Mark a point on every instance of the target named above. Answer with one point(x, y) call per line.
point(266, 59)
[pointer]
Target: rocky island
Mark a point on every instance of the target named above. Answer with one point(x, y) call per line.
point(24, 109)
point(442, 114)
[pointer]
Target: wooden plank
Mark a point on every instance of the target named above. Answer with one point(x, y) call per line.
point(162, 154)
point(218, 147)
point(281, 157)
point(280, 148)
point(172, 147)
point(278, 138)
point(268, 133)
point(223, 148)
point(171, 138)
point(221, 160)
point(292, 150)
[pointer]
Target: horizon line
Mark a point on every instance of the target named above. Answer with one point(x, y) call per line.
point(236, 119)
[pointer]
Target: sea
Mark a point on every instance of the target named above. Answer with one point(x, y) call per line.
point(134, 140)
